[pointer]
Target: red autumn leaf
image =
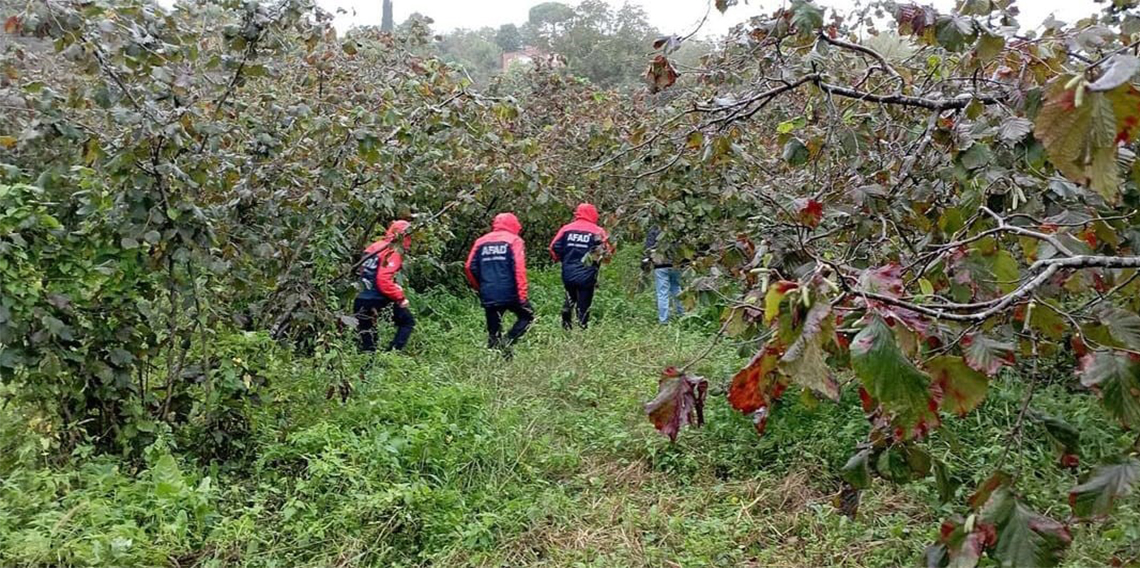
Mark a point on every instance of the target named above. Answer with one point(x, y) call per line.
point(810, 212)
point(1090, 238)
point(962, 547)
point(661, 74)
point(868, 403)
point(1098, 283)
point(1070, 461)
point(886, 280)
point(752, 385)
point(11, 25)
point(680, 401)
point(914, 19)
point(757, 387)
point(1126, 108)
point(1078, 345)
point(991, 484)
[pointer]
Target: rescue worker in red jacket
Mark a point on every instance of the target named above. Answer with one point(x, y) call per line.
point(496, 268)
point(576, 246)
point(378, 270)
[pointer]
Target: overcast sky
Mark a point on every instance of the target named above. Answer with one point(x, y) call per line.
point(670, 16)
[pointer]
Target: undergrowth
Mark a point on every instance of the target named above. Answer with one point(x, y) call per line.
point(449, 456)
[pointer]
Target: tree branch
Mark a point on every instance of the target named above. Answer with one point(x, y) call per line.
point(864, 50)
point(1047, 269)
point(960, 101)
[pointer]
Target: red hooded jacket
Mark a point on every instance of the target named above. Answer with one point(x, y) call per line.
point(382, 262)
point(574, 242)
point(496, 265)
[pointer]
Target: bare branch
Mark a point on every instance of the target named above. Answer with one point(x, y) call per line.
point(960, 101)
point(1047, 268)
point(864, 50)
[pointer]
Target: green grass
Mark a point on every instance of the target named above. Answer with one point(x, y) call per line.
point(449, 456)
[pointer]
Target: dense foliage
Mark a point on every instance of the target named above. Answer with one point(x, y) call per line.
point(939, 201)
point(897, 202)
point(221, 165)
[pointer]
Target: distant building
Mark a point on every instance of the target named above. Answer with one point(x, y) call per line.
point(530, 56)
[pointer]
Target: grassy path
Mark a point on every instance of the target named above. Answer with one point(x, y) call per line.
point(616, 493)
point(449, 456)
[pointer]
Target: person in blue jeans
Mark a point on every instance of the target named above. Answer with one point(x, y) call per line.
point(666, 276)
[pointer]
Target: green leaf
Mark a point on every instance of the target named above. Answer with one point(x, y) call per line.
point(806, 17)
point(773, 297)
point(975, 7)
point(1005, 271)
point(926, 287)
point(57, 328)
point(954, 32)
point(945, 484)
point(804, 360)
point(977, 156)
point(1117, 377)
point(962, 388)
point(810, 370)
point(1072, 131)
point(1025, 539)
point(903, 463)
point(788, 126)
point(1104, 172)
point(167, 477)
point(1047, 322)
point(1061, 432)
point(795, 153)
point(987, 355)
point(989, 46)
point(857, 471)
point(892, 465)
point(1015, 129)
point(1097, 495)
point(892, 379)
point(121, 357)
point(1123, 326)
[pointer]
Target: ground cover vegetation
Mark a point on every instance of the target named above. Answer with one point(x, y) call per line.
point(910, 239)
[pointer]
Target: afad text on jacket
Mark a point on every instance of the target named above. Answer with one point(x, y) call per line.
point(496, 265)
point(574, 241)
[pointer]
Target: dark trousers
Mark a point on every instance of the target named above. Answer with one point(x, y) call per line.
point(367, 311)
point(524, 315)
point(578, 298)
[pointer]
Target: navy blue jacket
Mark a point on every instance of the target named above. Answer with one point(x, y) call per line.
point(496, 265)
point(573, 244)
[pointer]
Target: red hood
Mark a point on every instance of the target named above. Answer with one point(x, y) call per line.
point(397, 228)
point(586, 212)
point(507, 222)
